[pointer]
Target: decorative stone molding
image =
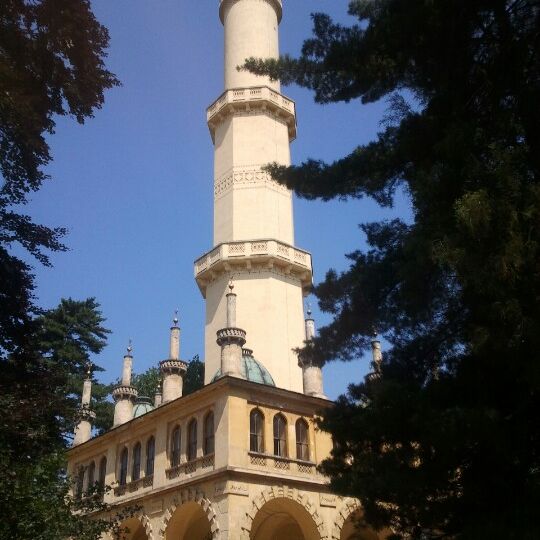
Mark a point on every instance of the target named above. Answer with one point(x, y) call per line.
point(122, 391)
point(270, 254)
point(283, 492)
point(231, 335)
point(190, 495)
point(255, 98)
point(143, 518)
point(85, 413)
point(349, 507)
point(246, 177)
point(173, 366)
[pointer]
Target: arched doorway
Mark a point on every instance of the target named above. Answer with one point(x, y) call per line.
point(354, 528)
point(189, 522)
point(281, 519)
point(133, 529)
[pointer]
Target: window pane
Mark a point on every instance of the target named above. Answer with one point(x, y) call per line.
point(175, 448)
point(192, 440)
point(209, 434)
point(150, 450)
point(280, 430)
point(136, 470)
point(91, 475)
point(302, 441)
point(102, 472)
point(256, 431)
point(123, 467)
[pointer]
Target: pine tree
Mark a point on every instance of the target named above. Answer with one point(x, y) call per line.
point(444, 443)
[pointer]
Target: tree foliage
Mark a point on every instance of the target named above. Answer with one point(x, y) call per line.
point(51, 64)
point(444, 444)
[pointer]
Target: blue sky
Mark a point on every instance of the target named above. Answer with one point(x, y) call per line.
point(134, 185)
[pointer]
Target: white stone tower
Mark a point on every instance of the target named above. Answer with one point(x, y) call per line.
point(252, 124)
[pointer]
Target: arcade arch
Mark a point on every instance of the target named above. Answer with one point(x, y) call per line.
point(283, 518)
point(188, 522)
point(133, 529)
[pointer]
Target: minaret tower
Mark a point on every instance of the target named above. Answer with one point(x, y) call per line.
point(83, 429)
point(251, 125)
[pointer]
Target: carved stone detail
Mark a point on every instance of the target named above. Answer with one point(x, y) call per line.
point(246, 177)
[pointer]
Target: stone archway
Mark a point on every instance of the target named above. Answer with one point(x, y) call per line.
point(191, 517)
point(345, 525)
point(136, 528)
point(281, 512)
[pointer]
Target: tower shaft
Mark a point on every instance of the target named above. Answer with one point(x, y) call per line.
point(252, 125)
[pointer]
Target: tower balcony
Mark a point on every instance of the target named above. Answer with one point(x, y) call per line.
point(271, 254)
point(250, 99)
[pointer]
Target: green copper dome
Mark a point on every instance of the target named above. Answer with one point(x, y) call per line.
point(252, 370)
point(142, 406)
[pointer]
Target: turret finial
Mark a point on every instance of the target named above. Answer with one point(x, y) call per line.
point(309, 312)
point(129, 347)
point(231, 285)
point(175, 319)
point(89, 368)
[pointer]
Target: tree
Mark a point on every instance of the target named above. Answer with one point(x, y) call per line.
point(34, 432)
point(443, 445)
point(194, 378)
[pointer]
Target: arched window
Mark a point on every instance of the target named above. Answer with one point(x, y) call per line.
point(208, 447)
point(192, 440)
point(79, 484)
point(175, 447)
point(150, 455)
point(122, 480)
point(91, 476)
point(280, 435)
point(136, 466)
point(302, 440)
point(256, 431)
point(102, 472)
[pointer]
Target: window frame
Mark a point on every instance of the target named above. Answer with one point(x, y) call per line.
point(256, 432)
point(302, 446)
point(280, 437)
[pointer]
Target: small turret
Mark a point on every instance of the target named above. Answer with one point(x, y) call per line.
point(173, 369)
point(124, 394)
point(83, 429)
point(158, 396)
point(231, 340)
point(376, 355)
point(311, 370)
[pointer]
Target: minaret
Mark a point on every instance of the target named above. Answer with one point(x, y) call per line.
point(173, 369)
point(230, 340)
point(311, 370)
point(124, 394)
point(251, 125)
point(83, 429)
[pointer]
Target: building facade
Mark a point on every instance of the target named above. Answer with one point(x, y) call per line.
point(238, 458)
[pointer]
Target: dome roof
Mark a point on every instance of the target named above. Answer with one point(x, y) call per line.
point(252, 370)
point(142, 406)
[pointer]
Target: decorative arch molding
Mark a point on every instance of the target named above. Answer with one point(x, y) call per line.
point(349, 507)
point(185, 496)
point(143, 518)
point(145, 522)
point(282, 492)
